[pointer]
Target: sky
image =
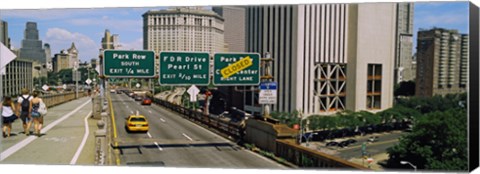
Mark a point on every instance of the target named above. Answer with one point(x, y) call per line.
point(86, 26)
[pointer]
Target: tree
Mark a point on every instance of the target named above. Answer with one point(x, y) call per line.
point(405, 89)
point(438, 141)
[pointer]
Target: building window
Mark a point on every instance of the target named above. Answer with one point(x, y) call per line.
point(374, 86)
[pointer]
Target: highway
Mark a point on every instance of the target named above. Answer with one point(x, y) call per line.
point(174, 141)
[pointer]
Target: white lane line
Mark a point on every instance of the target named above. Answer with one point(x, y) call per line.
point(131, 112)
point(84, 140)
point(159, 148)
point(161, 119)
point(149, 135)
point(186, 136)
point(5, 154)
point(149, 111)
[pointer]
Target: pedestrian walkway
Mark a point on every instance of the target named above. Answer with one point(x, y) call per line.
point(62, 140)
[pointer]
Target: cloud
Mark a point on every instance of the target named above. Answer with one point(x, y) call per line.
point(108, 22)
point(59, 39)
point(134, 45)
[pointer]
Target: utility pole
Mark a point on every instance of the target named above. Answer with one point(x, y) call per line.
point(267, 77)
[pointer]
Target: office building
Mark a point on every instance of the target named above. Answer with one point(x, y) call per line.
point(110, 41)
point(327, 57)
point(442, 62)
point(73, 54)
point(234, 33)
point(31, 44)
point(18, 75)
point(234, 26)
point(4, 34)
point(183, 29)
point(61, 61)
point(404, 42)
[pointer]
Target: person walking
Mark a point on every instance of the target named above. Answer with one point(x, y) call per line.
point(8, 116)
point(36, 116)
point(25, 110)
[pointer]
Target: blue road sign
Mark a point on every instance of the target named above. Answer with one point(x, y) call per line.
point(268, 85)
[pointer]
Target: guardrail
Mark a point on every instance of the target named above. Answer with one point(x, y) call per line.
point(309, 158)
point(233, 130)
point(56, 99)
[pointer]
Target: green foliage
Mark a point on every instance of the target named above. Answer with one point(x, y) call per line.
point(405, 89)
point(438, 142)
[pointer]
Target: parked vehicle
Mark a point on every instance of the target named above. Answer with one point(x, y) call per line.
point(332, 143)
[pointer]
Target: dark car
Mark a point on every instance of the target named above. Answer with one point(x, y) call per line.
point(351, 141)
point(343, 144)
point(332, 143)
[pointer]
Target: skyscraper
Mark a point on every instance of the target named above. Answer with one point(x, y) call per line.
point(31, 44)
point(403, 47)
point(234, 24)
point(73, 54)
point(327, 57)
point(4, 34)
point(442, 62)
point(183, 29)
point(110, 41)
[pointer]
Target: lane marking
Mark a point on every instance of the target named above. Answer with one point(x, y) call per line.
point(149, 111)
point(159, 148)
point(131, 111)
point(149, 135)
point(186, 136)
point(84, 140)
point(5, 154)
point(161, 119)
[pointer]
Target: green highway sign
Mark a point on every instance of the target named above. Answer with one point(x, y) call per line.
point(127, 63)
point(236, 69)
point(184, 68)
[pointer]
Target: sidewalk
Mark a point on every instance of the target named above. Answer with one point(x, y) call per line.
point(62, 135)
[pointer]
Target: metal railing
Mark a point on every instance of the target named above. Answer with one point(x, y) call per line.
point(308, 158)
point(233, 130)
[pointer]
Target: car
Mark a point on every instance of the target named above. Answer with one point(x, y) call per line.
point(138, 98)
point(332, 143)
point(136, 123)
point(351, 141)
point(112, 90)
point(373, 139)
point(119, 91)
point(343, 144)
point(131, 94)
point(146, 101)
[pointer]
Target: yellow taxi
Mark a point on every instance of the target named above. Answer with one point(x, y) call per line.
point(136, 123)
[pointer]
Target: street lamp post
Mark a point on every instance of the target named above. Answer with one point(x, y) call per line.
point(406, 162)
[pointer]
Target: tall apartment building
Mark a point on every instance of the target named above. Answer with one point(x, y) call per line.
point(327, 57)
point(110, 41)
point(19, 74)
point(442, 62)
point(404, 43)
point(31, 44)
point(4, 34)
point(183, 29)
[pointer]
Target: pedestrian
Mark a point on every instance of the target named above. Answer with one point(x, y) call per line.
point(36, 116)
point(25, 110)
point(8, 116)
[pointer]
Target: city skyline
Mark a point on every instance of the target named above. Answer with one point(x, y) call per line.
point(85, 27)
